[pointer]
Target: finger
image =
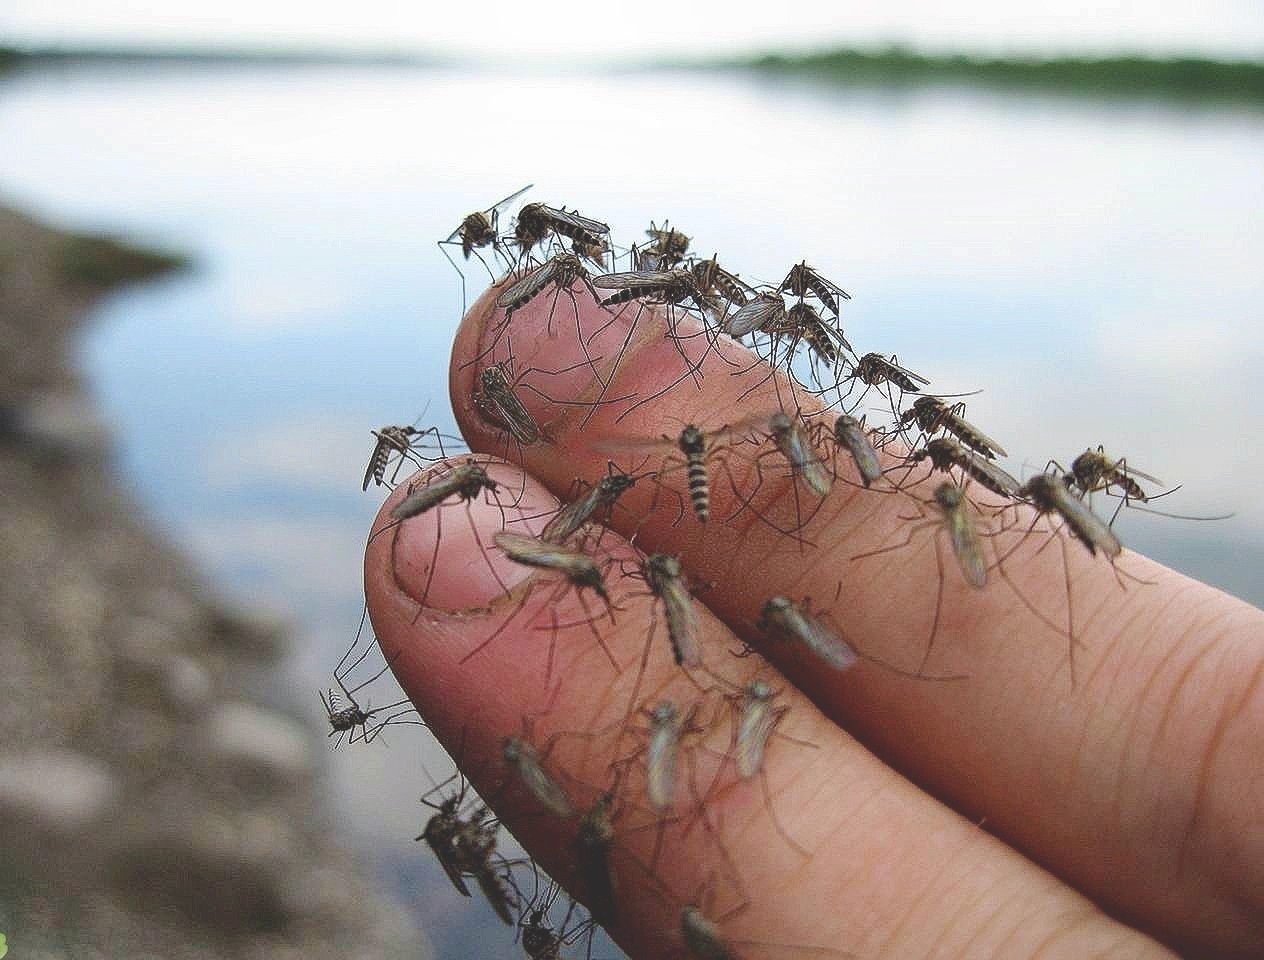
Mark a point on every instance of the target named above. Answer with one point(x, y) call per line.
point(1136, 785)
point(902, 875)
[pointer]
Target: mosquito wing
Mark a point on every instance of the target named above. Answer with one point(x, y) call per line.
point(754, 315)
point(754, 727)
point(572, 516)
point(527, 287)
point(634, 280)
point(1084, 523)
point(967, 546)
point(824, 641)
point(586, 224)
point(509, 199)
point(1128, 470)
point(535, 552)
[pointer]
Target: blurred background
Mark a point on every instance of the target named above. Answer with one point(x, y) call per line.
point(1062, 204)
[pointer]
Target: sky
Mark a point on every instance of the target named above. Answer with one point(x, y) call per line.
point(595, 29)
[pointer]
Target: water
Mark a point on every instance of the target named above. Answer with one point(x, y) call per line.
point(1094, 264)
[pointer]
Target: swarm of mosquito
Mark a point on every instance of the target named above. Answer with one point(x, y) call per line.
point(669, 774)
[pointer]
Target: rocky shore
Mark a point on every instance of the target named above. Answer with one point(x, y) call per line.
point(148, 808)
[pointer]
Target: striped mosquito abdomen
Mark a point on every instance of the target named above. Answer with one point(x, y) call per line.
point(693, 444)
point(389, 440)
point(931, 414)
point(621, 296)
point(875, 369)
point(1092, 471)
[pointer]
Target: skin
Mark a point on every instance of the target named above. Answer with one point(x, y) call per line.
point(1018, 813)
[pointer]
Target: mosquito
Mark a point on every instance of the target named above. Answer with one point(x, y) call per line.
point(602, 495)
point(578, 569)
point(945, 453)
point(931, 414)
point(966, 547)
point(479, 229)
point(851, 434)
point(1049, 494)
point(593, 842)
point(666, 730)
point(465, 482)
point(344, 720)
point(475, 846)
point(666, 580)
point(404, 441)
point(791, 442)
point(671, 288)
point(496, 396)
point(766, 309)
point(690, 450)
point(802, 323)
point(525, 761)
point(875, 370)
point(537, 220)
point(653, 286)
point(498, 401)
point(667, 247)
point(540, 940)
point(756, 720)
point(694, 447)
point(1093, 471)
point(442, 829)
point(803, 280)
point(784, 620)
point(561, 270)
point(719, 285)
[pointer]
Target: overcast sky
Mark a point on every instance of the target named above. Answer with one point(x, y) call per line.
point(604, 27)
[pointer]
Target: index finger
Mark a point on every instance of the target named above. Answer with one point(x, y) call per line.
point(1135, 785)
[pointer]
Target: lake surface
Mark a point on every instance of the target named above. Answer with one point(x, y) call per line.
point(1096, 265)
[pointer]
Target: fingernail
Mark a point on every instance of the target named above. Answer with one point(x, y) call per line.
point(446, 558)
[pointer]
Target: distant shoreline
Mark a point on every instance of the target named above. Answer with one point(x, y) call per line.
point(14, 57)
point(1188, 78)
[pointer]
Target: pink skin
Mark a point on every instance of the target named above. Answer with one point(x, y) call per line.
point(1134, 787)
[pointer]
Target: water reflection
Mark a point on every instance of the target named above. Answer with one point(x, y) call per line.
point(1094, 265)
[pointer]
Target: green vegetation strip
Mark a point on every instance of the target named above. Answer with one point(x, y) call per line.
point(1191, 77)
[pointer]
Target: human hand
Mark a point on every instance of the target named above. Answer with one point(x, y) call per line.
point(1125, 807)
